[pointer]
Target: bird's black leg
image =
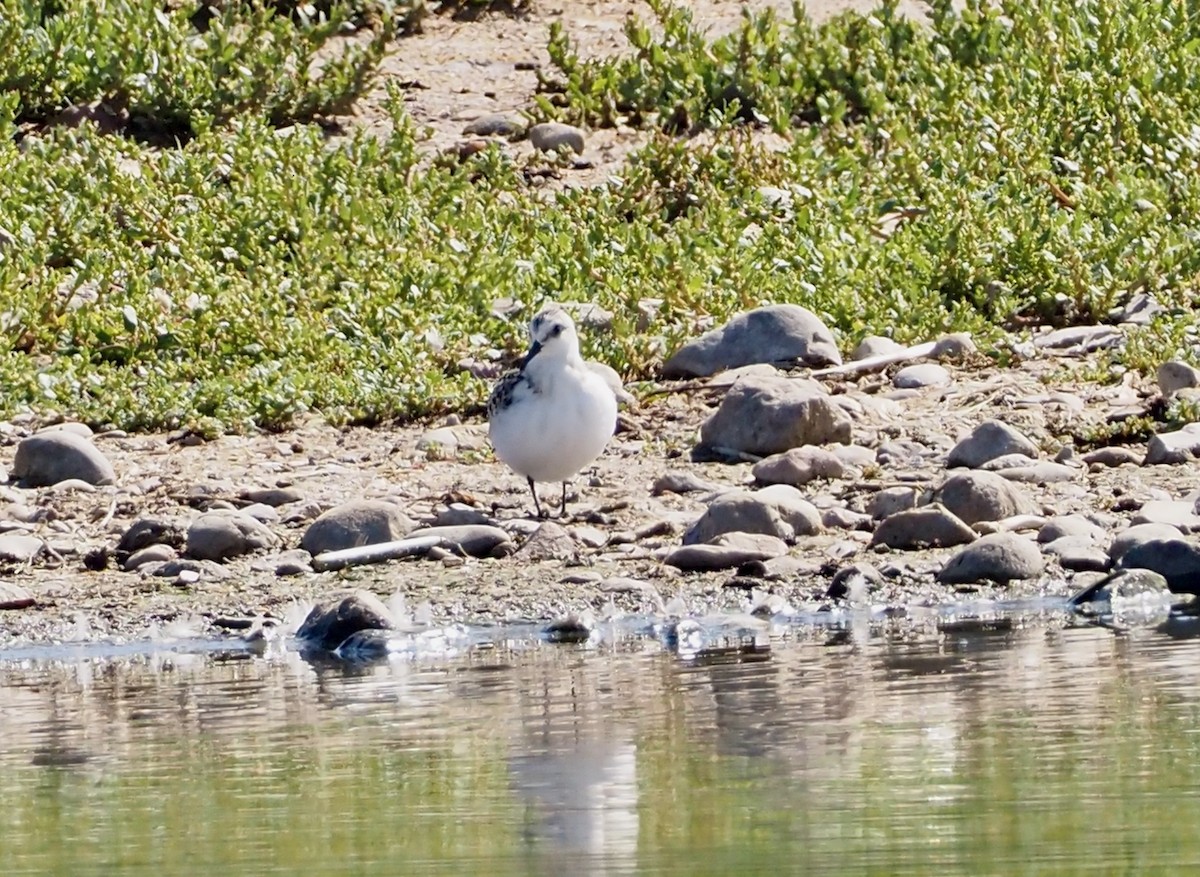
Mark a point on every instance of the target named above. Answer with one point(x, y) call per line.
point(537, 505)
point(562, 512)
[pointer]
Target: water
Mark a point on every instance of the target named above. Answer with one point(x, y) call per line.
point(876, 749)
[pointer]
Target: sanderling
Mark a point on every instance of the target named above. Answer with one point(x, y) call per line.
point(553, 415)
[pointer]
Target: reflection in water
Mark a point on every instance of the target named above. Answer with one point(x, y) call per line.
point(970, 751)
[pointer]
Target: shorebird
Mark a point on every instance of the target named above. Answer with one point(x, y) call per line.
point(554, 414)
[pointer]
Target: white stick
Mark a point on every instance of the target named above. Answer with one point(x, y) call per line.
point(377, 553)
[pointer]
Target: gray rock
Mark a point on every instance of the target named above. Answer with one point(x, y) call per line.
point(798, 466)
point(355, 523)
point(1071, 525)
point(220, 535)
point(855, 456)
point(1170, 448)
point(156, 553)
point(150, 531)
point(727, 552)
point(19, 548)
point(1139, 310)
point(1125, 583)
point(15, 597)
point(784, 334)
point(553, 136)
point(1041, 472)
point(875, 345)
point(922, 375)
point(1113, 457)
point(510, 125)
point(477, 540)
point(779, 511)
point(330, 624)
point(295, 562)
point(46, 458)
point(452, 439)
point(854, 582)
point(1131, 537)
point(260, 511)
point(891, 501)
point(1078, 553)
point(1000, 557)
point(548, 542)
point(956, 345)
point(982, 496)
point(1179, 514)
point(1007, 461)
point(930, 526)
point(1175, 376)
point(680, 482)
point(459, 514)
point(764, 416)
point(1176, 560)
point(989, 440)
point(1080, 339)
point(838, 518)
point(186, 570)
point(272, 496)
point(80, 429)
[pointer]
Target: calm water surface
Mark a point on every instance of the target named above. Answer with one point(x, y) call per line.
point(1023, 751)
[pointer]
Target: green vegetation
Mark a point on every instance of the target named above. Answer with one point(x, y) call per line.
point(1001, 166)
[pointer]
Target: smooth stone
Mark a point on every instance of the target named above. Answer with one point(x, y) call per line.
point(777, 334)
point(46, 458)
point(731, 550)
point(15, 597)
point(1112, 457)
point(838, 518)
point(1175, 376)
point(459, 514)
point(549, 541)
point(1008, 461)
point(1179, 514)
point(159, 552)
point(272, 496)
point(1071, 525)
point(798, 466)
point(553, 136)
point(477, 540)
point(902, 453)
point(1041, 472)
point(1077, 553)
point(891, 501)
point(875, 345)
point(294, 562)
point(1170, 448)
point(1131, 537)
point(779, 510)
point(330, 624)
point(356, 523)
point(680, 482)
point(1080, 339)
point(1176, 560)
point(769, 415)
point(260, 511)
point(1139, 310)
point(929, 526)
point(855, 456)
point(509, 125)
point(956, 346)
point(150, 531)
point(19, 548)
point(80, 429)
point(1000, 557)
point(452, 439)
point(982, 496)
point(921, 376)
point(989, 440)
point(1127, 584)
point(220, 535)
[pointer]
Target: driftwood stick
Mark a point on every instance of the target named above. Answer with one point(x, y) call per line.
point(377, 553)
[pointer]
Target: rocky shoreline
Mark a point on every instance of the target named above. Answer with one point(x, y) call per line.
point(898, 481)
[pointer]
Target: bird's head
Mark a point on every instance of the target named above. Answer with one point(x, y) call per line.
point(553, 335)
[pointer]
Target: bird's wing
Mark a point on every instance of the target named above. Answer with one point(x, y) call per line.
point(512, 387)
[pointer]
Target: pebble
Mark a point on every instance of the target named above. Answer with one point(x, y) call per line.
point(838, 518)
point(1175, 376)
point(329, 624)
point(930, 526)
point(680, 482)
point(260, 511)
point(592, 537)
point(46, 458)
point(768, 415)
point(452, 439)
point(220, 535)
point(1079, 339)
point(1000, 557)
point(549, 541)
point(19, 548)
point(15, 597)
point(955, 346)
point(1131, 537)
point(1169, 448)
point(982, 496)
point(798, 466)
point(156, 553)
point(989, 440)
point(1077, 553)
point(355, 523)
point(779, 510)
point(476, 540)
point(921, 376)
point(890, 501)
point(272, 496)
point(150, 531)
point(459, 514)
point(1112, 457)
point(553, 136)
point(1176, 560)
point(784, 334)
point(730, 551)
point(1071, 525)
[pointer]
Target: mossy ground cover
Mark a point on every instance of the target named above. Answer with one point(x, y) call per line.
point(996, 167)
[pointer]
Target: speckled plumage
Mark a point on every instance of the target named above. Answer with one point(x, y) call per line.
point(554, 415)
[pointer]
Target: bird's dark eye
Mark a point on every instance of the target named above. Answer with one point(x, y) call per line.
point(556, 331)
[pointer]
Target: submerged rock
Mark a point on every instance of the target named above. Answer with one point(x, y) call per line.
point(329, 624)
point(1176, 560)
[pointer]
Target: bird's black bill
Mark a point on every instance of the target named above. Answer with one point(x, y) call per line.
point(534, 350)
